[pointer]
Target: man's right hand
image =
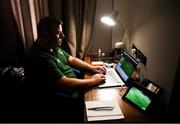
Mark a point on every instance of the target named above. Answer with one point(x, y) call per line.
point(99, 78)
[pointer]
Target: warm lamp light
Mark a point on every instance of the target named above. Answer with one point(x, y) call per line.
point(107, 20)
point(110, 19)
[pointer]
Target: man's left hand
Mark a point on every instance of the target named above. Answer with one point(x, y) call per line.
point(99, 69)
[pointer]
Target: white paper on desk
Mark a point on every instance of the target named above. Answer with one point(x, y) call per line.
point(97, 63)
point(92, 115)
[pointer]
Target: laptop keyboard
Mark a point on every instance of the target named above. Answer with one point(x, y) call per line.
point(112, 77)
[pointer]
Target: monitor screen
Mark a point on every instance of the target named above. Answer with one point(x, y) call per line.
point(138, 98)
point(126, 66)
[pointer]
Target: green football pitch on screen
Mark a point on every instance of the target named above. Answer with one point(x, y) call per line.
point(137, 97)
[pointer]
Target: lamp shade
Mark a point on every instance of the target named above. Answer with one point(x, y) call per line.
point(110, 19)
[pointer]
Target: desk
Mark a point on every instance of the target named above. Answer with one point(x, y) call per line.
point(131, 114)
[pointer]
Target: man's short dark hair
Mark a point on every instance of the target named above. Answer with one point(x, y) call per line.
point(46, 24)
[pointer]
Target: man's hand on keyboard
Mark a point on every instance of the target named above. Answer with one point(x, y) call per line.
point(99, 78)
point(99, 69)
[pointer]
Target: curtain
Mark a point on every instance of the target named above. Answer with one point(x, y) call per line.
point(78, 16)
point(27, 14)
point(88, 22)
point(11, 48)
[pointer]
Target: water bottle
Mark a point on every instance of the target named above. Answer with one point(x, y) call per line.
point(99, 54)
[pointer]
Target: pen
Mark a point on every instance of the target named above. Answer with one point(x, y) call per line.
point(101, 108)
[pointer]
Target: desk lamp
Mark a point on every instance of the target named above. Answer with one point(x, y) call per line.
point(111, 19)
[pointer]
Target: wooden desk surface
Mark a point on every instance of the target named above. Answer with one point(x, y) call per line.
point(131, 114)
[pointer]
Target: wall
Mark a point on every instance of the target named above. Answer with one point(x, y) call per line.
point(154, 28)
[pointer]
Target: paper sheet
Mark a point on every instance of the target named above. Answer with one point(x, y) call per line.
point(95, 63)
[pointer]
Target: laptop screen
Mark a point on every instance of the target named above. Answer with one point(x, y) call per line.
point(126, 66)
point(138, 98)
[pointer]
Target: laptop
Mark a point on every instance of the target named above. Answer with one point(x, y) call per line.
point(121, 72)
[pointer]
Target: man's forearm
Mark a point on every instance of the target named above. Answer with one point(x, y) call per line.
point(79, 63)
point(71, 84)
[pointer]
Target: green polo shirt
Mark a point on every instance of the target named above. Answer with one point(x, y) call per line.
point(53, 64)
point(44, 67)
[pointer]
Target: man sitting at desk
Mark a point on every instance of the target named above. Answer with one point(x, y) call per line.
point(49, 70)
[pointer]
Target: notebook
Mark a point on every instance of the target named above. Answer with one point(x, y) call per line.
point(122, 71)
point(98, 110)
